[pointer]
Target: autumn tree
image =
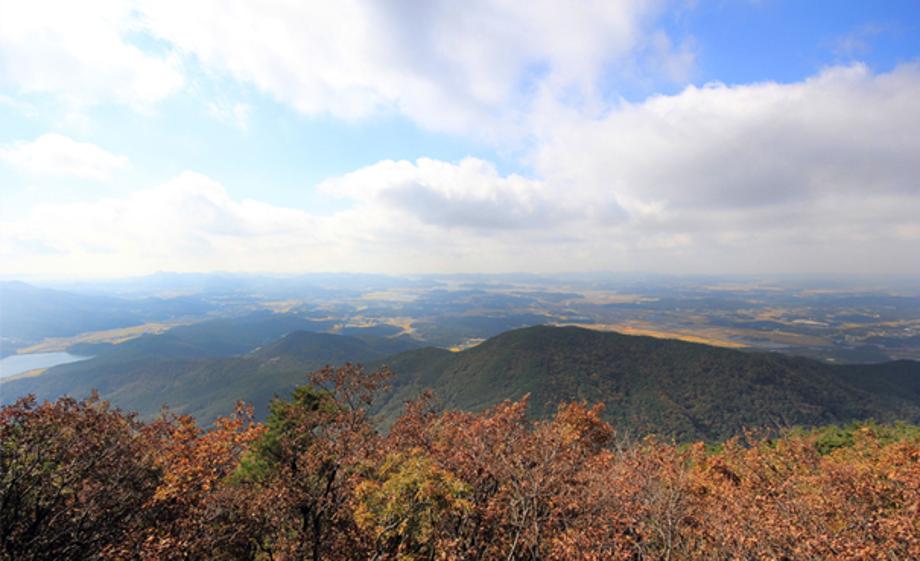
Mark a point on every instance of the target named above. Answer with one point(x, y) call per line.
point(403, 502)
point(198, 512)
point(74, 479)
point(304, 468)
point(521, 476)
point(81, 480)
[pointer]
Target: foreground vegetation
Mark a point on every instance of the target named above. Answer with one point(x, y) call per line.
point(80, 480)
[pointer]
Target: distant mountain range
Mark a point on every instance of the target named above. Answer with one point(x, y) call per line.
point(649, 385)
point(31, 313)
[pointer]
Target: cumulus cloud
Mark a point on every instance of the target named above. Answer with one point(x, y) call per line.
point(56, 154)
point(818, 175)
point(81, 52)
point(189, 222)
point(192, 223)
point(468, 195)
point(465, 67)
point(833, 154)
point(475, 67)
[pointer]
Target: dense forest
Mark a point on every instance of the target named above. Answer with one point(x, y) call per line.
point(688, 391)
point(82, 480)
point(677, 389)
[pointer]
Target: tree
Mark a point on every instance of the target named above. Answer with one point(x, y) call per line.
point(305, 466)
point(74, 479)
point(197, 512)
point(404, 501)
point(81, 480)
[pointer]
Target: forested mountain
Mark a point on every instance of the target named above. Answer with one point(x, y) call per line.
point(652, 385)
point(204, 369)
point(649, 385)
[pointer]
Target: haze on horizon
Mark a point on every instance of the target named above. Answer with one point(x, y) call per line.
point(767, 136)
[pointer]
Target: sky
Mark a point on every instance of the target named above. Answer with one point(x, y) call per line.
point(434, 136)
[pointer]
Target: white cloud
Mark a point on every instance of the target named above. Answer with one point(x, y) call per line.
point(469, 195)
point(476, 67)
point(832, 154)
point(815, 176)
point(81, 52)
point(187, 223)
point(55, 154)
point(464, 67)
point(192, 223)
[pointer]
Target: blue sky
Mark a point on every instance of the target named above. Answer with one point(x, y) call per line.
point(742, 42)
point(483, 137)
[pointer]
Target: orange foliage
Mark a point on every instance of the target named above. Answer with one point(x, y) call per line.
point(319, 482)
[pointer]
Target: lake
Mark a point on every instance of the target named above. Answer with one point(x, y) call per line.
point(16, 364)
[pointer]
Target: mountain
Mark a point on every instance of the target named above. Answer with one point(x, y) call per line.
point(222, 337)
point(29, 313)
point(302, 346)
point(673, 388)
point(204, 369)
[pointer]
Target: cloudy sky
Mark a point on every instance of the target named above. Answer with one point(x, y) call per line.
point(405, 136)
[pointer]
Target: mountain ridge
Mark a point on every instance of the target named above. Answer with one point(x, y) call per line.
point(656, 385)
point(649, 385)
point(202, 379)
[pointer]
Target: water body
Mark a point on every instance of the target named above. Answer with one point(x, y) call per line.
point(17, 364)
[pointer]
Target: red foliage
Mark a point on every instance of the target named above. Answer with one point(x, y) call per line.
point(80, 480)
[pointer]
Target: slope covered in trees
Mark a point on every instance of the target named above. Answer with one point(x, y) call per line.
point(80, 480)
point(670, 388)
point(204, 369)
point(650, 385)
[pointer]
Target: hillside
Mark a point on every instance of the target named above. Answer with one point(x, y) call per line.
point(205, 372)
point(649, 385)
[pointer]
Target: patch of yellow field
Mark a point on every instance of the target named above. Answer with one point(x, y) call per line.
point(115, 336)
point(723, 336)
point(403, 323)
point(27, 374)
point(468, 344)
point(604, 297)
point(690, 338)
point(770, 314)
point(700, 336)
point(281, 306)
point(904, 323)
point(390, 295)
point(742, 287)
point(785, 337)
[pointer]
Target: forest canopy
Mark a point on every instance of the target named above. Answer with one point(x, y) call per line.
point(317, 480)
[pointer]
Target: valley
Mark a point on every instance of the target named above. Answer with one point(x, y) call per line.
point(827, 320)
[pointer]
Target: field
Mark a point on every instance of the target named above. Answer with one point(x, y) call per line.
point(114, 336)
point(819, 319)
